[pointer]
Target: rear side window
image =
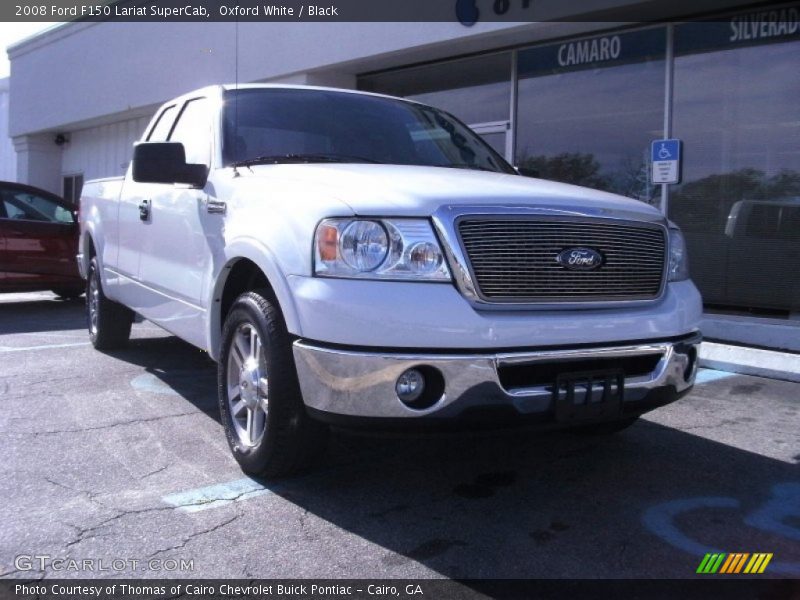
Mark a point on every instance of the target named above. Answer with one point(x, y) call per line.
point(774, 221)
point(161, 129)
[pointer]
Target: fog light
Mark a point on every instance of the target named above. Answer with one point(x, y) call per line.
point(410, 386)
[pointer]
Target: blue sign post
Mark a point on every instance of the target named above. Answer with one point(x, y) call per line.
point(665, 157)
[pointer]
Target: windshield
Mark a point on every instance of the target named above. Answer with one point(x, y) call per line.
point(297, 125)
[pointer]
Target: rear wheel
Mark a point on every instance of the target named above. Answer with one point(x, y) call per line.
point(260, 402)
point(109, 322)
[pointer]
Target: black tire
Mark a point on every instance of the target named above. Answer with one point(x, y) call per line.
point(605, 428)
point(68, 293)
point(289, 439)
point(111, 327)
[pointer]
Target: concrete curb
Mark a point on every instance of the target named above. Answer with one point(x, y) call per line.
point(750, 361)
point(780, 334)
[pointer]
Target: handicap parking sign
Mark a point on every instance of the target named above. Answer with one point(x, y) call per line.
point(665, 157)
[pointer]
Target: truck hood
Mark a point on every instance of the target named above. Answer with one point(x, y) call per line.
point(401, 190)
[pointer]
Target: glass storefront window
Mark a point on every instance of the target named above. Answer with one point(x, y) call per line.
point(589, 108)
point(736, 109)
point(476, 90)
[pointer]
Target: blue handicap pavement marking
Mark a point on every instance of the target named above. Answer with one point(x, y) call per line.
point(662, 150)
point(709, 375)
point(784, 504)
point(776, 516)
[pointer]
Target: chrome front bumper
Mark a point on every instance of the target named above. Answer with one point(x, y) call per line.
point(362, 384)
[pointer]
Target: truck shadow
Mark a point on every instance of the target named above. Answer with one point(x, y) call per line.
point(42, 315)
point(173, 367)
point(519, 504)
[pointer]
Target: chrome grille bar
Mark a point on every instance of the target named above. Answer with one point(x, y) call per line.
point(513, 260)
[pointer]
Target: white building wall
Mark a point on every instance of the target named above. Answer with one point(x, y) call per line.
point(79, 78)
point(109, 68)
point(102, 151)
point(8, 156)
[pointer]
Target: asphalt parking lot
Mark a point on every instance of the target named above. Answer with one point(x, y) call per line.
point(121, 457)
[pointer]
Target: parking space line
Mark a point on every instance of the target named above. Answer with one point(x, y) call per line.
point(147, 382)
point(222, 494)
point(709, 375)
point(214, 496)
point(41, 347)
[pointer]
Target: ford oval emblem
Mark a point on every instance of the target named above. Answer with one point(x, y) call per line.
point(580, 259)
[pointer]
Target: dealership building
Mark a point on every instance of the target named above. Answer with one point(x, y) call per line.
point(573, 100)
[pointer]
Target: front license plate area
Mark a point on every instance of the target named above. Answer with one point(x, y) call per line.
point(588, 395)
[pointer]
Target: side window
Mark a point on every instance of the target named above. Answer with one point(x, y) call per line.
point(30, 207)
point(72, 186)
point(161, 129)
point(762, 221)
point(193, 130)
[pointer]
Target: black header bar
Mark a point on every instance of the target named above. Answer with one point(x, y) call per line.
point(464, 12)
point(393, 589)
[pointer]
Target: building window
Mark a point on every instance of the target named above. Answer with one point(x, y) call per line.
point(735, 106)
point(72, 187)
point(589, 108)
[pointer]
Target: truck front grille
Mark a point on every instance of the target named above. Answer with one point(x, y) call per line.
point(516, 259)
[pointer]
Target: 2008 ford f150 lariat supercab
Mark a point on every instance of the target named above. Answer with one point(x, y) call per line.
point(353, 258)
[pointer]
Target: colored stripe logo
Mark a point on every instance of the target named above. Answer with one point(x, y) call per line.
point(734, 563)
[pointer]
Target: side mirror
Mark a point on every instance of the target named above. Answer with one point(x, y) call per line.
point(527, 171)
point(165, 162)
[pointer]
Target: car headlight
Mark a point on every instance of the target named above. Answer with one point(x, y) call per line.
point(678, 260)
point(403, 249)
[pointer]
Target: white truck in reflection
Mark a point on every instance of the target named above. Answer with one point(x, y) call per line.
point(356, 259)
point(763, 255)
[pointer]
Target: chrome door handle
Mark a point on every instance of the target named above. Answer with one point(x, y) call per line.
point(144, 210)
point(215, 207)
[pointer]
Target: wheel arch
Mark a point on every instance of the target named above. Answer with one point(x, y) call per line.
point(247, 269)
point(87, 246)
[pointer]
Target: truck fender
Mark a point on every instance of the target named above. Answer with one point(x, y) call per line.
point(92, 235)
point(264, 259)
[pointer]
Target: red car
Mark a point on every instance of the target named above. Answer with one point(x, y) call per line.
point(38, 242)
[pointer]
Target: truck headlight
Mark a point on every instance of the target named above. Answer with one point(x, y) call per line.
point(364, 245)
point(400, 249)
point(678, 260)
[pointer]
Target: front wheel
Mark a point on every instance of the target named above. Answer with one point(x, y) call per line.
point(109, 322)
point(260, 402)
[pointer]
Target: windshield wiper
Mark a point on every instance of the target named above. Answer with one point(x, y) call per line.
point(302, 158)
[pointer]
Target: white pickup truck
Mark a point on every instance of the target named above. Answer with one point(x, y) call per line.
point(358, 259)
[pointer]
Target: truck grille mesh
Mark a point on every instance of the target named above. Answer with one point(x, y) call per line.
point(514, 260)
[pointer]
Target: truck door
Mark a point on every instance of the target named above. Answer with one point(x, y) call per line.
point(175, 257)
point(132, 226)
